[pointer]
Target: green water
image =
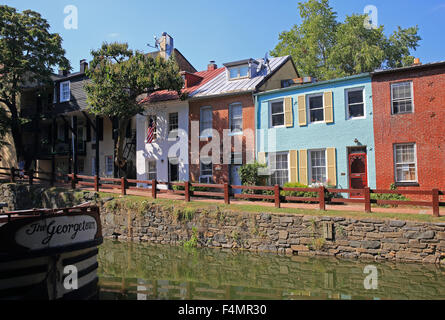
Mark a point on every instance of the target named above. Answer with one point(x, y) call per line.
point(139, 272)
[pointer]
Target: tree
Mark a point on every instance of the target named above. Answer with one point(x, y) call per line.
point(118, 77)
point(28, 52)
point(324, 48)
point(4, 126)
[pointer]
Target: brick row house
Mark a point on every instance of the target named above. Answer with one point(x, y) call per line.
point(222, 117)
point(409, 116)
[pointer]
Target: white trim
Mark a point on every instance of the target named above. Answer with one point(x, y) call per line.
point(348, 116)
point(309, 165)
point(230, 118)
point(108, 173)
point(270, 102)
point(395, 163)
point(239, 69)
point(203, 108)
point(288, 163)
point(412, 96)
point(308, 110)
point(61, 91)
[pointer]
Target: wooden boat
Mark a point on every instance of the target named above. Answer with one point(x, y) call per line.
point(50, 254)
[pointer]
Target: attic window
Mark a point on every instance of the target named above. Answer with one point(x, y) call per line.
point(239, 72)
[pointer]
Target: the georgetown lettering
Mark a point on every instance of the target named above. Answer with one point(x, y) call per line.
point(51, 229)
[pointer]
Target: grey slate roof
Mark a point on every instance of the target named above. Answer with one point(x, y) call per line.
point(221, 85)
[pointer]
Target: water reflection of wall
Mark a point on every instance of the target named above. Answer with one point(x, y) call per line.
point(174, 273)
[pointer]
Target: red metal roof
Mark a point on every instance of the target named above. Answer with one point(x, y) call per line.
point(166, 95)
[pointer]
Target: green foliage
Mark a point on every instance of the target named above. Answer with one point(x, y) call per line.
point(298, 193)
point(249, 174)
point(324, 48)
point(184, 214)
point(193, 241)
point(318, 244)
point(119, 76)
point(182, 188)
point(28, 54)
point(389, 196)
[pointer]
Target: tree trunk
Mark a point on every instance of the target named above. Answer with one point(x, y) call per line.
point(15, 130)
point(120, 161)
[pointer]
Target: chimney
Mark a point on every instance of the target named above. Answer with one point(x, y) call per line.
point(166, 45)
point(63, 73)
point(83, 66)
point(417, 62)
point(212, 66)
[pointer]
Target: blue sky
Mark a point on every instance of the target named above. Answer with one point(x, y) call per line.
point(223, 30)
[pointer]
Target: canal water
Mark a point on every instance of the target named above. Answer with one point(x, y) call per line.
point(133, 271)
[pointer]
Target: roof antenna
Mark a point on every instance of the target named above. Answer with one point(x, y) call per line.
point(156, 46)
point(266, 61)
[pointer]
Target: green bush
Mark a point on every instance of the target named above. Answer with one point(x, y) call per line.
point(389, 196)
point(298, 193)
point(182, 188)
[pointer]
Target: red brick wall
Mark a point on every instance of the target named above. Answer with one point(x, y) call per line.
point(425, 127)
point(220, 108)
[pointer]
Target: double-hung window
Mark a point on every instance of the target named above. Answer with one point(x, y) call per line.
point(151, 169)
point(109, 165)
point(277, 113)
point(238, 72)
point(355, 103)
point(236, 117)
point(402, 97)
point(173, 122)
point(318, 166)
point(205, 122)
point(206, 171)
point(316, 109)
point(279, 163)
point(405, 162)
point(65, 94)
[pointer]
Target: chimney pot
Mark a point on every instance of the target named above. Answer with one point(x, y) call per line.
point(212, 66)
point(416, 62)
point(83, 65)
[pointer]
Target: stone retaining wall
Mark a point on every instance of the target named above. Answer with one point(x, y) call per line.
point(371, 239)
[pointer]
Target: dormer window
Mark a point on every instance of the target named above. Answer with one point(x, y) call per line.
point(239, 72)
point(65, 94)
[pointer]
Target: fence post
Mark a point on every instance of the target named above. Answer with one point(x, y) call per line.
point(321, 198)
point(226, 193)
point(96, 183)
point(436, 203)
point(123, 187)
point(73, 181)
point(367, 196)
point(187, 191)
point(31, 176)
point(12, 175)
point(153, 189)
point(277, 196)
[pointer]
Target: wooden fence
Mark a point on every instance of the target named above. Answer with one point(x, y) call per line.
point(275, 193)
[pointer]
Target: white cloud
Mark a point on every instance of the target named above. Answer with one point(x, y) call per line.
point(113, 35)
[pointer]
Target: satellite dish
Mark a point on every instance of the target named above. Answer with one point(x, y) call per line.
point(156, 46)
point(266, 61)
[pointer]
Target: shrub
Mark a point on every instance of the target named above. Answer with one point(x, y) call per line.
point(182, 188)
point(298, 193)
point(389, 196)
point(193, 242)
point(249, 176)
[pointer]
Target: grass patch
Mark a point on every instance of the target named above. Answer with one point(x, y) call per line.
point(254, 208)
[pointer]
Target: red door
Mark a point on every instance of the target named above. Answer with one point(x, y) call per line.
point(358, 176)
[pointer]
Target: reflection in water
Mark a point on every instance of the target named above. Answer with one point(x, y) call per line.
point(146, 272)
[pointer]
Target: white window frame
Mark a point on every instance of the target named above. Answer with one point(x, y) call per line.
point(288, 165)
point(415, 162)
point(270, 114)
point(207, 177)
point(348, 116)
point(392, 98)
point(308, 107)
point(170, 124)
point(108, 172)
point(62, 92)
point(155, 172)
point(231, 106)
point(310, 165)
point(238, 68)
point(210, 131)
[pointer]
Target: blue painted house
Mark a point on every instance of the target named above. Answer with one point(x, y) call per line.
point(319, 132)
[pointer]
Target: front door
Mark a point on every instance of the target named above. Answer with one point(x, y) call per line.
point(358, 176)
point(173, 169)
point(234, 178)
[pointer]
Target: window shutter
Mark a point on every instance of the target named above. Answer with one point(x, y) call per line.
point(303, 167)
point(288, 112)
point(302, 117)
point(262, 157)
point(293, 166)
point(328, 107)
point(332, 166)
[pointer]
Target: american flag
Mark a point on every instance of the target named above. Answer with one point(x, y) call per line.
point(150, 132)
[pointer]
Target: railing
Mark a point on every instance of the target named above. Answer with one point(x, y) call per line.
point(224, 191)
